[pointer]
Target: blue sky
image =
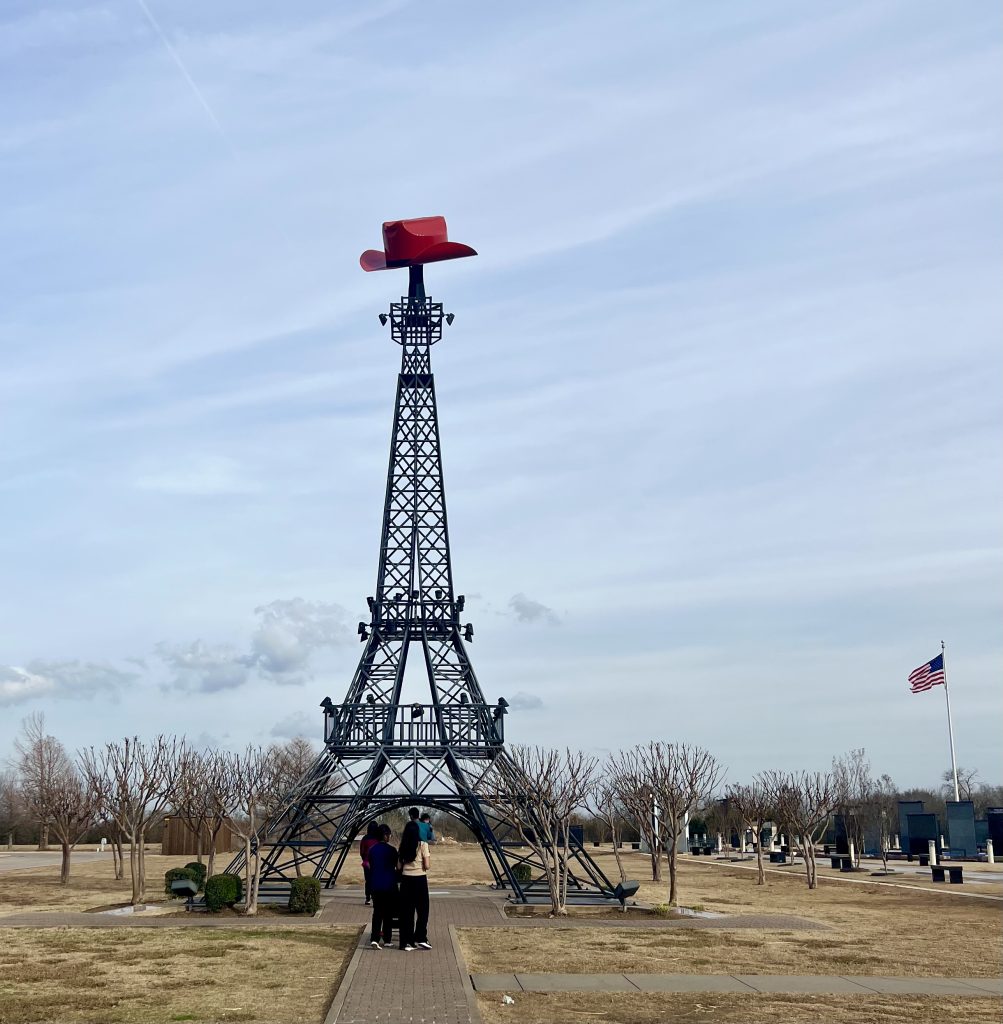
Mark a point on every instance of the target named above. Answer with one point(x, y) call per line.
point(721, 407)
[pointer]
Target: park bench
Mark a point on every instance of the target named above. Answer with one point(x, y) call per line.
point(778, 857)
point(955, 873)
point(841, 861)
point(924, 860)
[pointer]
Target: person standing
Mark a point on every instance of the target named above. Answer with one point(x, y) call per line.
point(425, 828)
point(371, 838)
point(383, 888)
point(413, 862)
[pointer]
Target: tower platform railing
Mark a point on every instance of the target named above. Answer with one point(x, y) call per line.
point(464, 727)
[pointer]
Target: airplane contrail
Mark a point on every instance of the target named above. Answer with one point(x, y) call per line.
point(175, 56)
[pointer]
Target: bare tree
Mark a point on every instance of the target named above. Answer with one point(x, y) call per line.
point(38, 757)
point(201, 796)
point(879, 814)
point(249, 782)
point(754, 809)
point(854, 785)
point(635, 790)
point(287, 764)
point(290, 762)
point(72, 805)
point(603, 802)
point(804, 802)
point(683, 777)
point(135, 781)
point(537, 792)
point(12, 810)
point(968, 782)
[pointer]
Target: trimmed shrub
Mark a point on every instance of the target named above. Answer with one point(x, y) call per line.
point(304, 896)
point(173, 874)
point(523, 873)
point(200, 871)
point(222, 891)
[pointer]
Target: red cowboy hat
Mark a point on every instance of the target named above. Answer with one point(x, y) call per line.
point(408, 243)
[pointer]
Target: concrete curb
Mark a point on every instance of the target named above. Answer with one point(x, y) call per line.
point(465, 980)
point(339, 997)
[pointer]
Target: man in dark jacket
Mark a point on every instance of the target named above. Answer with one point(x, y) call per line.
point(383, 886)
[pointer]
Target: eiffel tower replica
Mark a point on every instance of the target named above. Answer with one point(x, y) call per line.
point(380, 752)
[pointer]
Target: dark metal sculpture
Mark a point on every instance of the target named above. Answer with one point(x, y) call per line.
point(380, 752)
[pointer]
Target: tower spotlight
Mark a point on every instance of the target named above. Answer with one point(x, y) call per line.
point(450, 317)
point(383, 319)
point(370, 699)
point(464, 699)
point(417, 711)
point(468, 632)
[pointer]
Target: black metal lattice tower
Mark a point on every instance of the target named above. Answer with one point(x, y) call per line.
point(380, 753)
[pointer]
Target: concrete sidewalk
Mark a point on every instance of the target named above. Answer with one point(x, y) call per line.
point(22, 860)
point(816, 984)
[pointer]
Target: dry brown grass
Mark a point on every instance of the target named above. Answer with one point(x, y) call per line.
point(453, 865)
point(141, 976)
point(91, 884)
point(710, 1008)
point(872, 930)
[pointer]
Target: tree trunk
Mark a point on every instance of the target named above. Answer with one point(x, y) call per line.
point(616, 854)
point(64, 869)
point(134, 869)
point(198, 844)
point(656, 862)
point(142, 865)
point(564, 870)
point(118, 856)
point(250, 896)
point(10, 840)
point(761, 871)
point(673, 894)
point(210, 864)
point(43, 835)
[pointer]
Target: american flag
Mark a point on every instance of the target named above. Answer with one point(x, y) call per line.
point(927, 676)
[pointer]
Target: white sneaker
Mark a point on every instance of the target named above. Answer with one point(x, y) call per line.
point(374, 944)
point(424, 945)
point(408, 949)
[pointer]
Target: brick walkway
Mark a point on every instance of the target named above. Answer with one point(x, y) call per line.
point(386, 986)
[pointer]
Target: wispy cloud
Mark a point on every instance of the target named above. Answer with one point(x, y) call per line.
point(526, 609)
point(280, 649)
point(60, 680)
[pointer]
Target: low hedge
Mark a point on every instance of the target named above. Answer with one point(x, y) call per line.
point(173, 874)
point(304, 896)
point(222, 891)
point(523, 873)
point(200, 871)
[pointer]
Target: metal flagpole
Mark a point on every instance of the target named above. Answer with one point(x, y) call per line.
point(950, 727)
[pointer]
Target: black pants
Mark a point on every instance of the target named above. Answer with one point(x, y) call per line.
point(365, 874)
point(414, 910)
point(384, 906)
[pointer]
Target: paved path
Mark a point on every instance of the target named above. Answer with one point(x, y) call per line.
point(761, 983)
point(385, 985)
point(49, 858)
point(823, 876)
